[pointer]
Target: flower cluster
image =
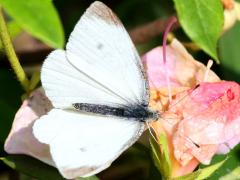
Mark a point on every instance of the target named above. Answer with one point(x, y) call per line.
point(203, 117)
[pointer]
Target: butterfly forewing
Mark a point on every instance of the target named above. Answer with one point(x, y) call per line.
point(65, 85)
point(109, 56)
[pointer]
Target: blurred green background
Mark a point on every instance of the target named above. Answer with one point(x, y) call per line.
point(136, 162)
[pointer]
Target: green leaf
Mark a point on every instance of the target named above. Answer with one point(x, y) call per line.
point(161, 157)
point(233, 175)
point(206, 172)
point(14, 29)
point(229, 53)
point(164, 145)
point(201, 174)
point(35, 168)
point(202, 20)
point(88, 178)
point(39, 18)
point(231, 163)
point(156, 154)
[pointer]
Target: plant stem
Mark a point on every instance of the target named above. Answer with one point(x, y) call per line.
point(12, 57)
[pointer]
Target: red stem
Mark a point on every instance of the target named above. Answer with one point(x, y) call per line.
point(170, 24)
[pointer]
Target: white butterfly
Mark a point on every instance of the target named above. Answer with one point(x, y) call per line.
point(99, 93)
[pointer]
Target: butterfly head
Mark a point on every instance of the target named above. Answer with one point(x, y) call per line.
point(153, 115)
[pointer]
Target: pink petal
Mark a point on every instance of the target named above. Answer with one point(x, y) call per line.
point(183, 70)
point(179, 170)
point(211, 116)
point(21, 139)
point(156, 70)
point(231, 137)
point(189, 72)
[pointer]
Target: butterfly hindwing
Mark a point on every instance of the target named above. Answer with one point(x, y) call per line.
point(83, 143)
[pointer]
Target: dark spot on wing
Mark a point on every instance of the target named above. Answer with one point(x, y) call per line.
point(82, 149)
point(99, 46)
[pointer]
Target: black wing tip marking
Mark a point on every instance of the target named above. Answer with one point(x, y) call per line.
point(101, 11)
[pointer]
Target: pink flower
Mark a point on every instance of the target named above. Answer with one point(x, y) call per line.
point(21, 139)
point(200, 121)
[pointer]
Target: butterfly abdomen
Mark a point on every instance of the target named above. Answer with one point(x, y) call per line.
point(138, 113)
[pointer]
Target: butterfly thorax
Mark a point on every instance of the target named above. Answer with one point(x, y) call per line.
point(136, 112)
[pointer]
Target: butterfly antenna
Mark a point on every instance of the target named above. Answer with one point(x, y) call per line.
point(172, 21)
point(153, 136)
point(150, 131)
point(209, 65)
point(184, 97)
point(188, 139)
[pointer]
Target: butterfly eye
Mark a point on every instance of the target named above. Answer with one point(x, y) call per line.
point(230, 95)
point(153, 115)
